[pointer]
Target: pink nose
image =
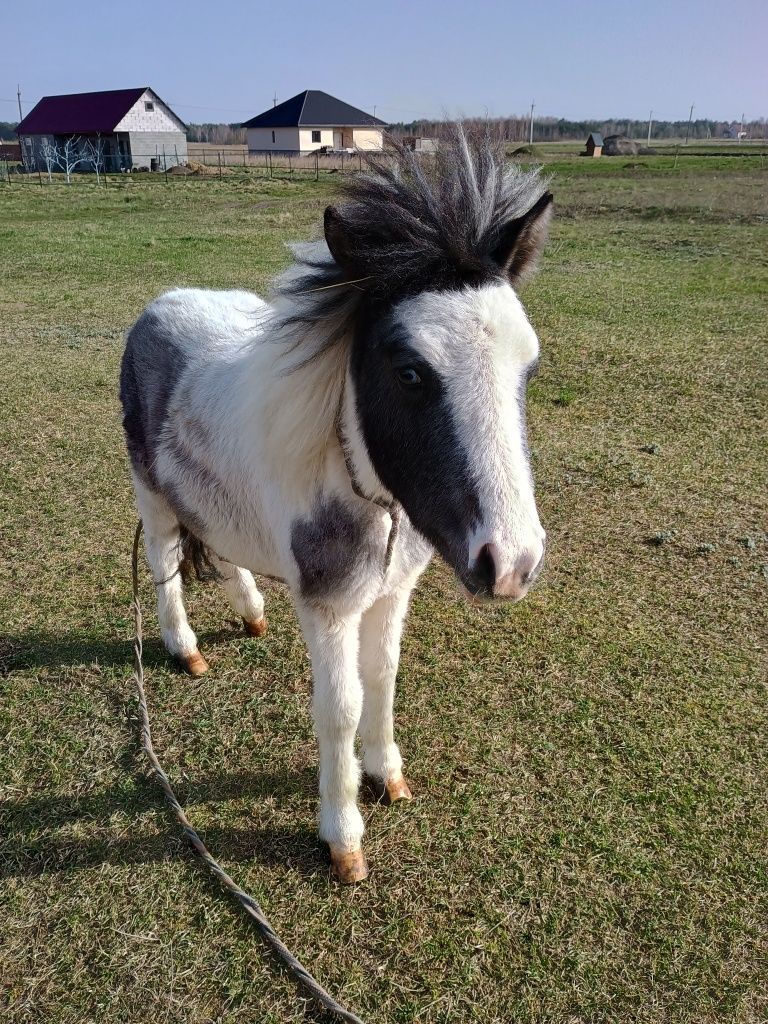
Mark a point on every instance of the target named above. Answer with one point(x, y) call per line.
point(511, 584)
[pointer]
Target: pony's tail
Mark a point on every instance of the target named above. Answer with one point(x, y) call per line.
point(196, 559)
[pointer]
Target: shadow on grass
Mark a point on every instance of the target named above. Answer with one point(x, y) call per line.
point(34, 650)
point(32, 842)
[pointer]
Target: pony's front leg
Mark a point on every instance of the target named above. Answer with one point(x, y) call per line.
point(337, 699)
point(381, 628)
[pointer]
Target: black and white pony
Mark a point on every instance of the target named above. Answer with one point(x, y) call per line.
point(372, 412)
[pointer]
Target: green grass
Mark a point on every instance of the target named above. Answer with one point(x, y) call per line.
point(587, 842)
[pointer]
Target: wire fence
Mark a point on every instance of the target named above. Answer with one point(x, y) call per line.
point(203, 162)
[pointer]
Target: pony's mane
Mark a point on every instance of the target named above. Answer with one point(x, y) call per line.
point(410, 224)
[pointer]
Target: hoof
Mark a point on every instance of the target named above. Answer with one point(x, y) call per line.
point(388, 792)
point(255, 627)
point(194, 663)
point(348, 867)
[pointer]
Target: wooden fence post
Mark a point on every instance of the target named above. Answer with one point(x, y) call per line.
point(165, 166)
point(270, 162)
point(317, 167)
point(219, 165)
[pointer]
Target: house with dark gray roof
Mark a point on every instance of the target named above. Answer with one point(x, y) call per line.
point(131, 128)
point(313, 120)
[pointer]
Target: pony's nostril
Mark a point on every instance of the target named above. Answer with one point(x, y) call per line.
point(485, 568)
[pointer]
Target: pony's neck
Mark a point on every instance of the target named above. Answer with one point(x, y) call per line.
point(359, 464)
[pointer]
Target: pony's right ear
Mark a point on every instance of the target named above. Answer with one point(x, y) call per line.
point(337, 237)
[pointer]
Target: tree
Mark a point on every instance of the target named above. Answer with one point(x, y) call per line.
point(71, 155)
point(49, 151)
point(94, 150)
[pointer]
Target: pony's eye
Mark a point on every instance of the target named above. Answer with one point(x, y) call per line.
point(408, 377)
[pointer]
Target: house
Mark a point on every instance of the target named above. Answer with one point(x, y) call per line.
point(311, 121)
point(594, 144)
point(133, 128)
point(420, 144)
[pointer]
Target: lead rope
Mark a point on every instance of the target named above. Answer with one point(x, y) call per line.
point(294, 967)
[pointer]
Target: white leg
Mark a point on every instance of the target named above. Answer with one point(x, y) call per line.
point(244, 596)
point(380, 630)
point(337, 699)
point(161, 541)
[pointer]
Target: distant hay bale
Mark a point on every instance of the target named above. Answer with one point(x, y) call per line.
point(619, 145)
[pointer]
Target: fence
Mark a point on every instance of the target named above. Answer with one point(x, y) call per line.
point(211, 155)
point(210, 162)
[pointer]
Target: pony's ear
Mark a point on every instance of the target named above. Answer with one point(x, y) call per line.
point(337, 237)
point(521, 241)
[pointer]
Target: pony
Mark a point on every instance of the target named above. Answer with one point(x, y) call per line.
point(371, 414)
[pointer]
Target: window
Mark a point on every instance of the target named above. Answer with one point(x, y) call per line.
point(315, 136)
point(149, 105)
point(273, 138)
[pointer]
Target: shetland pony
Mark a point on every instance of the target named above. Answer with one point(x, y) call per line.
point(372, 413)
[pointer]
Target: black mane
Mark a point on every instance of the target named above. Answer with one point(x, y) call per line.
point(410, 224)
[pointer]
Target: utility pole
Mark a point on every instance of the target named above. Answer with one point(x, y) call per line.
point(650, 122)
point(18, 97)
point(274, 100)
point(530, 140)
point(688, 128)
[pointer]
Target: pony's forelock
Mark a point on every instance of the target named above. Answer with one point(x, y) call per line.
point(410, 224)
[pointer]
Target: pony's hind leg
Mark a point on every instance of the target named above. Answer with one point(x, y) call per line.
point(161, 537)
point(244, 596)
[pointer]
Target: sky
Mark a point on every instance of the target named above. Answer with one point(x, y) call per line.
point(424, 58)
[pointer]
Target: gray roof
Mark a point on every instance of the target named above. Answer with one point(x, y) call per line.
point(596, 137)
point(313, 108)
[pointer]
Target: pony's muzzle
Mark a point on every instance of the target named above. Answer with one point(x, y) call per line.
point(493, 577)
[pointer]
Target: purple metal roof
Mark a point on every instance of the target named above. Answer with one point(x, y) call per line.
point(79, 112)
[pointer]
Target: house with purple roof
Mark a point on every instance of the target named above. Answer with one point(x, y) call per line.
point(130, 129)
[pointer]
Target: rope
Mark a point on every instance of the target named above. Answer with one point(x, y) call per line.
point(295, 969)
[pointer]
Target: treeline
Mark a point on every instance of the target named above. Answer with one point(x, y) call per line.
point(220, 134)
point(560, 129)
point(508, 129)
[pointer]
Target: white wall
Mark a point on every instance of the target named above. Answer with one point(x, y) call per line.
point(139, 119)
point(293, 140)
point(286, 140)
point(368, 138)
point(305, 138)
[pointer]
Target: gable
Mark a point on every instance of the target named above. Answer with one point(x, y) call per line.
point(159, 119)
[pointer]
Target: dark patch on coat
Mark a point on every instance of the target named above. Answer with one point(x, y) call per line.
point(412, 440)
point(151, 367)
point(336, 549)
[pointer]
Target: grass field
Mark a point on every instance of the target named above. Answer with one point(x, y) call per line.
point(588, 838)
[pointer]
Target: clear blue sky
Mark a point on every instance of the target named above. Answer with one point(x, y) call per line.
point(223, 61)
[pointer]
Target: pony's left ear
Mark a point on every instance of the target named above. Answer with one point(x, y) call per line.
point(521, 241)
point(337, 237)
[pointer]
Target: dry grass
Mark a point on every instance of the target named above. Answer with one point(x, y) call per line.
point(588, 837)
